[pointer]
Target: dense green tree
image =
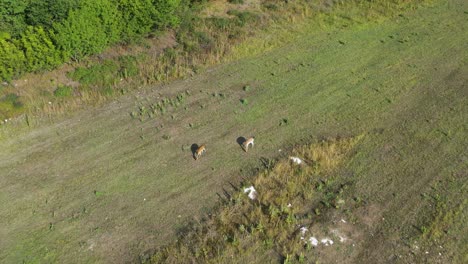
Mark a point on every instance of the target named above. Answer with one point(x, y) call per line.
point(165, 13)
point(137, 18)
point(47, 12)
point(90, 29)
point(12, 60)
point(12, 19)
point(38, 49)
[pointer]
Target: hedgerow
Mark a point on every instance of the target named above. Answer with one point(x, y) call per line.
point(39, 35)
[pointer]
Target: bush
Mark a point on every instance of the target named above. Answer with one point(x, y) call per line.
point(63, 91)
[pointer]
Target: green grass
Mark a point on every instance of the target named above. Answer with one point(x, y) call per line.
point(401, 83)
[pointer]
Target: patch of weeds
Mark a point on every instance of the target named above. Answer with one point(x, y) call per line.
point(10, 104)
point(98, 193)
point(236, 1)
point(107, 91)
point(246, 88)
point(243, 17)
point(63, 91)
point(101, 74)
point(270, 6)
point(185, 147)
point(244, 101)
point(160, 107)
point(284, 122)
point(220, 23)
point(205, 42)
point(166, 137)
point(128, 66)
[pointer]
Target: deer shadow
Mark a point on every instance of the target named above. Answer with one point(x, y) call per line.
point(194, 148)
point(241, 141)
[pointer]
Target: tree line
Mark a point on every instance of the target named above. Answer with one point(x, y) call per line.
point(41, 34)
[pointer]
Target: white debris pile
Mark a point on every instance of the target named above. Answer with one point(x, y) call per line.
point(296, 160)
point(313, 241)
point(339, 235)
point(252, 193)
point(303, 230)
point(326, 241)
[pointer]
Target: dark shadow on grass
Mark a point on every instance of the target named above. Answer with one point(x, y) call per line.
point(225, 197)
point(241, 141)
point(194, 148)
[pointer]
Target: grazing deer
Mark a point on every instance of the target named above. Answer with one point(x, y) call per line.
point(200, 150)
point(247, 143)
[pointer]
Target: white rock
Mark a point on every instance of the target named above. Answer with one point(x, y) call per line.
point(252, 193)
point(296, 160)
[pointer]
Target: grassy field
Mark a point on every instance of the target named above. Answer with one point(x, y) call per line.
point(110, 183)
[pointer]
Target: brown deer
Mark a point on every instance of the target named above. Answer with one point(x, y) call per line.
point(199, 151)
point(248, 142)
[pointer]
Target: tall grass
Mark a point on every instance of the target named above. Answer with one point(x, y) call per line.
point(270, 223)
